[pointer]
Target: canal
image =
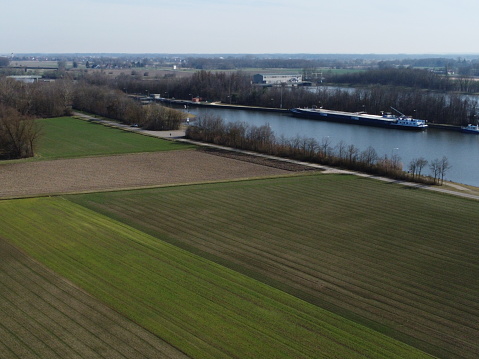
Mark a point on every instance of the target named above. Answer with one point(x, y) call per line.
point(461, 149)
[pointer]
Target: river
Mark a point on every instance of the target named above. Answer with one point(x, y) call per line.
point(461, 149)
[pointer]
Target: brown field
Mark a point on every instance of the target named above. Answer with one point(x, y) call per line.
point(59, 320)
point(124, 171)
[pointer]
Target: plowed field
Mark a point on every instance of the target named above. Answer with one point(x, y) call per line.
point(123, 171)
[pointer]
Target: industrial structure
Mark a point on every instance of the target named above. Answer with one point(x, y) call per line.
point(276, 79)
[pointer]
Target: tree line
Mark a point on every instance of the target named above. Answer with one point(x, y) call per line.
point(236, 88)
point(407, 77)
point(114, 104)
point(21, 103)
point(213, 129)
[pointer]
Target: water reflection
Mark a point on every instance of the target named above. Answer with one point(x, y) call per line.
point(461, 149)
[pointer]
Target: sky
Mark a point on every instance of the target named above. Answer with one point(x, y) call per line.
point(240, 26)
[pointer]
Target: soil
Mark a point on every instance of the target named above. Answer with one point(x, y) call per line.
point(23, 179)
point(287, 166)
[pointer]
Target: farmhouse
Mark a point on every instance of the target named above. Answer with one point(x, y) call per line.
point(272, 79)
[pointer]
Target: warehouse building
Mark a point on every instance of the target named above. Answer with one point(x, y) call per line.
point(275, 79)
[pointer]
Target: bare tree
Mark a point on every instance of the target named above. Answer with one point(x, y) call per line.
point(312, 146)
point(443, 167)
point(369, 156)
point(308, 147)
point(325, 147)
point(352, 152)
point(341, 148)
point(435, 169)
point(396, 162)
point(420, 164)
point(18, 134)
point(416, 166)
point(412, 168)
point(439, 168)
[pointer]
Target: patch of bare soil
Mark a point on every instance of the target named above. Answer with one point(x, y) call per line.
point(44, 316)
point(125, 171)
point(287, 166)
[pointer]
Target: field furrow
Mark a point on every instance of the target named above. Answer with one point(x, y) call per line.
point(44, 316)
point(397, 258)
point(203, 308)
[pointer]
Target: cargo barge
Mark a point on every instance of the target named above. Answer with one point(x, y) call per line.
point(362, 118)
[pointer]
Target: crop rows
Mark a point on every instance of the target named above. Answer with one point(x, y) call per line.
point(202, 308)
point(44, 316)
point(400, 260)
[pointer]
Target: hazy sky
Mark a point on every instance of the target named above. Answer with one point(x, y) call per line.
point(240, 26)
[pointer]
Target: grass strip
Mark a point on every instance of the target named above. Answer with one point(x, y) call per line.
point(67, 137)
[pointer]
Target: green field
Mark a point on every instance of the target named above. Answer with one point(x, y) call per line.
point(399, 260)
point(307, 266)
point(44, 316)
point(202, 308)
point(66, 137)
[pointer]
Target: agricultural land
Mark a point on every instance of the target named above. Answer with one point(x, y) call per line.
point(133, 252)
point(46, 316)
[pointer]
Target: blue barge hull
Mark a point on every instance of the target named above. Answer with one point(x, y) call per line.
point(361, 118)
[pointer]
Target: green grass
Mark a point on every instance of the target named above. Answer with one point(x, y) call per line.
point(200, 307)
point(399, 260)
point(67, 137)
point(45, 316)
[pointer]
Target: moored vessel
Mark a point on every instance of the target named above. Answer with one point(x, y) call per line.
point(362, 118)
point(470, 129)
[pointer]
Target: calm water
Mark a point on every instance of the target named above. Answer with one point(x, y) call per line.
point(462, 150)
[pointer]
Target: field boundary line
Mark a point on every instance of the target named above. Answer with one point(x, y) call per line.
point(330, 170)
point(179, 136)
point(134, 188)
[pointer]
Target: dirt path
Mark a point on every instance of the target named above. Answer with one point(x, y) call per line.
point(453, 189)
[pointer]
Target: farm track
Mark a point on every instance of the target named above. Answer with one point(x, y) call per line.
point(44, 316)
point(322, 245)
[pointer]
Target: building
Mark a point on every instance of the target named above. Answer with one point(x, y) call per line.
point(27, 79)
point(276, 79)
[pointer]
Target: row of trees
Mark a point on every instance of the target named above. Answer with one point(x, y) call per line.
point(57, 98)
point(40, 99)
point(21, 103)
point(213, 129)
point(438, 168)
point(407, 77)
point(236, 88)
point(450, 109)
point(114, 104)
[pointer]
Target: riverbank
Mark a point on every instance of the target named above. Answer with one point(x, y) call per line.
point(220, 105)
point(270, 109)
point(448, 187)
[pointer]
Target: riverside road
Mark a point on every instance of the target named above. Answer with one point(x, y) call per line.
point(179, 135)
